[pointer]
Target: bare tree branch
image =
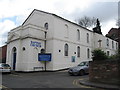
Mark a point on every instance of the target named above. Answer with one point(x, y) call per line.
point(87, 21)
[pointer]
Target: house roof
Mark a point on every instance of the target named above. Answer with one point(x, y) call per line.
point(55, 16)
point(113, 29)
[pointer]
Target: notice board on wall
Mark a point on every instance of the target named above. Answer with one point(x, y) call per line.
point(44, 57)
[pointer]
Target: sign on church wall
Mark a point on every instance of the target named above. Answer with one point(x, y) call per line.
point(44, 57)
point(35, 44)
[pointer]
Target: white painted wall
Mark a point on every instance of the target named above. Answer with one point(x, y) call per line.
point(60, 39)
point(104, 46)
point(60, 61)
point(39, 18)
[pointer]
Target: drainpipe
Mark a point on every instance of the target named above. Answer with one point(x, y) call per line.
point(45, 47)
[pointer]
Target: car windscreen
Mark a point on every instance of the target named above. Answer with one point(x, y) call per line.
point(82, 64)
point(5, 65)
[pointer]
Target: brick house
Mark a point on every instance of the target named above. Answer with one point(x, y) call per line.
point(114, 34)
point(3, 51)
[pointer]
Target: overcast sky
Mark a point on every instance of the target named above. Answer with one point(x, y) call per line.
point(14, 12)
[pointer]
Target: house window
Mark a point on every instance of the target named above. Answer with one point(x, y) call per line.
point(78, 51)
point(112, 44)
point(78, 34)
point(107, 42)
point(42, 50)
point(66, 50)
point(108, 53)
point(46, 26)
point(88, 53)
point(73, 58)
point(66, 31)
point(87, 38)
point(116, 46)
point(99, 43)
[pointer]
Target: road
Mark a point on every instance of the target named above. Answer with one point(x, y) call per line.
point(59, 79)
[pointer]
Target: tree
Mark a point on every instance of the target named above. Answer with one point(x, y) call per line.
point(97, 29)
point(98, 55)
point(86, 22)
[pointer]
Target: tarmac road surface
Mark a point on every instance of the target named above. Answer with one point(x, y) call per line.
point(59, 79)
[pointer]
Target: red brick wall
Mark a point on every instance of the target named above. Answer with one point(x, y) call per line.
point(113, 30)
point(116, 33)
point(4, 50)
point(3, 53)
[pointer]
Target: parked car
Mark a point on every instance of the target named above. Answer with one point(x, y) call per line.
point(80, 69)
point(5, 68)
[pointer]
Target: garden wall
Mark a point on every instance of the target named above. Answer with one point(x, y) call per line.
point(107, 71)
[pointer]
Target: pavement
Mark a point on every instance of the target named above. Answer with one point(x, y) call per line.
point(98, 85)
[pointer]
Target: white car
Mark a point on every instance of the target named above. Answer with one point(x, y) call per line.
point(5, 68)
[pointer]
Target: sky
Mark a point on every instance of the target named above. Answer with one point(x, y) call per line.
point(14, 12)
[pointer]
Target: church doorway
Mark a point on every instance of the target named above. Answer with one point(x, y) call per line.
point(14, 53)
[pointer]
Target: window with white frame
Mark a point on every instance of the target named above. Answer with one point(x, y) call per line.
point(78, 51)
point(87, 37)
point(116, 46)
point(108, 53)
point(66, 49)
point(46, 26)
point(88, 53)
point(78, 34)
point(99, 43)
point(112, 44)
point(107, 42)
point(66, 31)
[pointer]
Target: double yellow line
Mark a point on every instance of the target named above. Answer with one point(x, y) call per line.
point(3, 87)
point(76, 83)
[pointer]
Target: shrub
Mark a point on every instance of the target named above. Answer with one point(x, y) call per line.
point(98, 54)
point(116, 56)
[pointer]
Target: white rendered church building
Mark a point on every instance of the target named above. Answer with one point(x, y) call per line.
point(66, 42)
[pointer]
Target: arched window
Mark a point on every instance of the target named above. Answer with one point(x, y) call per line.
point(42, 50)
point(46, 26)
point(78, 51)
point(87, 38)
point(88, 53)
point(66, 50)
point(14, 57)
point(108, 53)
point(99, 43)
point(78, 34)
point(112, 44)
point(66, 31)
point(107, 42)
point(116, 46)
point(14, 49)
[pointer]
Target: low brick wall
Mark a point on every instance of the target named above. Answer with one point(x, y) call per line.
point(107, 71)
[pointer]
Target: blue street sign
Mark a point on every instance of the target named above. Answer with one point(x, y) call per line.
point(44, 57)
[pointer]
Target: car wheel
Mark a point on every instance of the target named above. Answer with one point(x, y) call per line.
point(81, 72)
